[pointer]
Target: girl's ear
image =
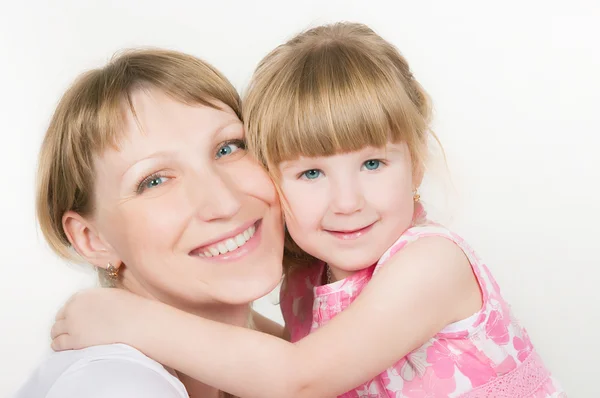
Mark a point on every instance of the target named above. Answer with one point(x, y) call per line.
point(418, 173)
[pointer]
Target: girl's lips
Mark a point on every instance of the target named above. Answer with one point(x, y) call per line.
point(351, 235)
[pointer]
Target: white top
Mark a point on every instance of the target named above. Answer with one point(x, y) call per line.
point(107, 371)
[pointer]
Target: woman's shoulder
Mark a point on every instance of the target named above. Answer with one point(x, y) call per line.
point(114, 370)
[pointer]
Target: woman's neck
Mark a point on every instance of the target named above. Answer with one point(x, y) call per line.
point(236, 315)
point(196, 389)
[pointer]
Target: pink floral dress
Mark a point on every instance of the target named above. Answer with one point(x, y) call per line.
point(486, 355)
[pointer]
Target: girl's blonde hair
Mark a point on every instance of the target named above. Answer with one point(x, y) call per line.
point(333, 89)
point(89, 118)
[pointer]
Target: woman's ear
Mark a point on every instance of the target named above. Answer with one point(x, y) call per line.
point(87, 242)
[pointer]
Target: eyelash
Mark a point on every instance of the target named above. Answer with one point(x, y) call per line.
point(141, 184)
point(382, 162)
point(240, 143)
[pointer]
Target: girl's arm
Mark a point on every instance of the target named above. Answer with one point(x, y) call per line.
point(419, 291)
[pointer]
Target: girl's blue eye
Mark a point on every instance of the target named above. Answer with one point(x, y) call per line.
point(311, 174)
point(230, 147)
point(372, 164)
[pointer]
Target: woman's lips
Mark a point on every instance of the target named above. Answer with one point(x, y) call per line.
point(227, 252)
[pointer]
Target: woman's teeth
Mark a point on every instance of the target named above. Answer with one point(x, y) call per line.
point(231, 244)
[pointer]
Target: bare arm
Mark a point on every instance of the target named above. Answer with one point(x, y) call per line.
point(426, 286)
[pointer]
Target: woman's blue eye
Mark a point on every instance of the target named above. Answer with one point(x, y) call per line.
point(372, 164)
point(154, 181)
point(230, 147)
point(150, 182)
point(311, 174)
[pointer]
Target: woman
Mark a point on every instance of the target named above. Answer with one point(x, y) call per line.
point(143, 172)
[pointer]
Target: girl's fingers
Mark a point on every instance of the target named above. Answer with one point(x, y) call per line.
point(61, 343)
point(61, 314)
point(59, 327)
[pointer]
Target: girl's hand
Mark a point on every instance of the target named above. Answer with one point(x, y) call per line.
point(95, 317)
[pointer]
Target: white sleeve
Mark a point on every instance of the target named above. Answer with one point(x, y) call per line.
point(113, 378)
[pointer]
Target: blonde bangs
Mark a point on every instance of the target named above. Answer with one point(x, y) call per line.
point(327, 100)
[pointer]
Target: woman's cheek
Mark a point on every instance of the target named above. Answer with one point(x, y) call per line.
point(252, 178)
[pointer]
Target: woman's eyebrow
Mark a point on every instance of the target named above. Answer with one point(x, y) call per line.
point(228, 123)
point(154, 155)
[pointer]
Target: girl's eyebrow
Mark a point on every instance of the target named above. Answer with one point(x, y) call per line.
point(299, 162)
point(288, 164)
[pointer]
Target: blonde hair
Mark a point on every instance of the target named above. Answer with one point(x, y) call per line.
point(333, 89)
point(89, 119)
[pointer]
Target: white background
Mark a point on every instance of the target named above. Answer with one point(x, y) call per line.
point(516, 89)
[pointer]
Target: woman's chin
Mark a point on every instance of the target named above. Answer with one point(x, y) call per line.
point(241, 292)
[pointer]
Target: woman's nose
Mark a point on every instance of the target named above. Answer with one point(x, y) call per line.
point(215, 196)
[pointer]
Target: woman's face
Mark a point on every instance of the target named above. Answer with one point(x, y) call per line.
point(192, 217)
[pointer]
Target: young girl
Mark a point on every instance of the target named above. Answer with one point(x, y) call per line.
point(374, 295)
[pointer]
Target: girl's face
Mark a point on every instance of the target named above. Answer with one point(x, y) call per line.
point(190, 215)
point(349, 208)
